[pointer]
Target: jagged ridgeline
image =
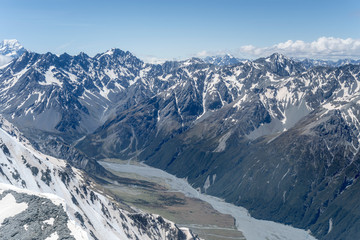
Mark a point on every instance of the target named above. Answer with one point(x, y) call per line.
point(277, 136)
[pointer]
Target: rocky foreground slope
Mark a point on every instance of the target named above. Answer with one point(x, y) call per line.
point(42, 197)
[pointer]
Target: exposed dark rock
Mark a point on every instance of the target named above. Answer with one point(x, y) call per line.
point(29, 224)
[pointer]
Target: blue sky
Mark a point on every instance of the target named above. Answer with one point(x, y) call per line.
point(177, 29)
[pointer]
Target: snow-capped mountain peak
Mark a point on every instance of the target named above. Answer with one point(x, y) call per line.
point(11, 48)
point(223, 60)
point(277, 57)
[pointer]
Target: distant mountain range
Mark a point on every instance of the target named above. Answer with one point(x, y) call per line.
point(313, 63)
point(228, 59)
point(275, 135)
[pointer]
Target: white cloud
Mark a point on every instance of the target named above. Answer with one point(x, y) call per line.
point(322, 48)
point(205, 53)
point(202, 54)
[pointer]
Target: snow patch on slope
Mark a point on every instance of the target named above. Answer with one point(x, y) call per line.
point(292, 115)
point(50, 79)
point(222, 142)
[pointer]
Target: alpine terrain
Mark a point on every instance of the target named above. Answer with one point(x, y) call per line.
point(277, 136)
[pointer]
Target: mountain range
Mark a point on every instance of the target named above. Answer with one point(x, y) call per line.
point(275, 135)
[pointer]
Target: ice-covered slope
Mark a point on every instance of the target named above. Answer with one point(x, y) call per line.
point(45, 198)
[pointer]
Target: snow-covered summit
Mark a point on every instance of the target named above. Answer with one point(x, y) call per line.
point(11, 48)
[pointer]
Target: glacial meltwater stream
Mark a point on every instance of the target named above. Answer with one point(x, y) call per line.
point(253, 229)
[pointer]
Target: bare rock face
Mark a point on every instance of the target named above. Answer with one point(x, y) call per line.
point(41, 219)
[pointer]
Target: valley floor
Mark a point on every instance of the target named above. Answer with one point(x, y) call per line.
point(161, 197)
point(209, 217)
